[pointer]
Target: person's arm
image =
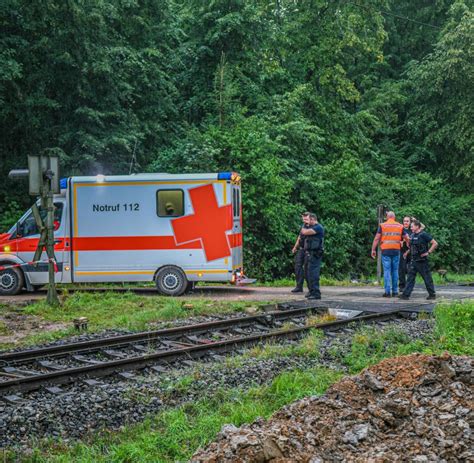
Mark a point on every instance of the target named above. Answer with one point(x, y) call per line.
point(375, 244)
point(433, 246)
point(406, 238)
point(308, 231)
point(296, 246)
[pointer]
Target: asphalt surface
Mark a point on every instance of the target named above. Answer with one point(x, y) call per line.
point(368, 298)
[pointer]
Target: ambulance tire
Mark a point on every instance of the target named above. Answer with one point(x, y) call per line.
point(171, 281)
point(12, 281)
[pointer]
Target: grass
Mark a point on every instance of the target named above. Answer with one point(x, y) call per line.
point(454, 333)
point(455, 328)
point(452, 278)
point(120, 311)
point(308, 347)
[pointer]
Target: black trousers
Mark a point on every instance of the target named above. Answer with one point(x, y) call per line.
point(402, 272)
point(313, 271)
point(300, 268)
point(423, 268)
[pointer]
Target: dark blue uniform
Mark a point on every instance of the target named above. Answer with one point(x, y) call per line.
point(300, 263)
point(314, 248)
point(419, 244)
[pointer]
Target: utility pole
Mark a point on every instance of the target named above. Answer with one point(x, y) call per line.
point(43, 176)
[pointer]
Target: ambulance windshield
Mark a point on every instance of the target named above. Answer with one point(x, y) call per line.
point(28, 227)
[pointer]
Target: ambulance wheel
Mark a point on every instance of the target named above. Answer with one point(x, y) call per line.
point(11, 281)
point(171, 281)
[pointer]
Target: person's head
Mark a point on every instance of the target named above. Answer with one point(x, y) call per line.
point(313, 219)
point(406, 222)
point(305, 217)
point(415, 226)
point(390, 215)
point(169, 208)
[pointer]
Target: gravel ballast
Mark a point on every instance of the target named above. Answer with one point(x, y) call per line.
point(416, 408)
point(81, 409)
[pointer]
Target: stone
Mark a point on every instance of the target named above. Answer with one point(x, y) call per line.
point(371, 381)
point(271, 449)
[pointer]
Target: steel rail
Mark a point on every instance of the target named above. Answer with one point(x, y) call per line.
point(95, 344)
point(138, 362)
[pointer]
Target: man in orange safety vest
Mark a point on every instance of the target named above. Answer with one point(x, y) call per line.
point(390, 234)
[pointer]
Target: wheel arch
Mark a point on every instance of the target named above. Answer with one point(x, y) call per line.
point(12, 260)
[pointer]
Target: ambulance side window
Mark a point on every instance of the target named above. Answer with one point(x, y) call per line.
point(29, 228)
point(170, 203)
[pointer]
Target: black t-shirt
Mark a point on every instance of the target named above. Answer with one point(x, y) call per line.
point(315, 242)
point(419, 244)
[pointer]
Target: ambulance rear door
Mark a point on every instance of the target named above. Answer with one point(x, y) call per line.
point(237, 250)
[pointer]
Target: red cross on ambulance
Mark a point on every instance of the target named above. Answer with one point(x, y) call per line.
point(209, 224)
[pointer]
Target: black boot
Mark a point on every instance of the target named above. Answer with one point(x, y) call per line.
point(297, 290)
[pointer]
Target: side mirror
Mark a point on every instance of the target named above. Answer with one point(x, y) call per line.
point(18, 230)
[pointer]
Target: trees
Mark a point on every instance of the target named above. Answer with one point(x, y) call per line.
point(442, 86)
point(332, 106)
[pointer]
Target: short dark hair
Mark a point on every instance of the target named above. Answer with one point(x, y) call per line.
point(416, 222)
point(313, 216)
point(305, 214)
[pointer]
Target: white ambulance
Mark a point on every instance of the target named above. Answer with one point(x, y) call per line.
point(172, 229)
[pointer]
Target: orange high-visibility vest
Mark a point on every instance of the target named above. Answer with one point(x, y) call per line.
point(392, 234)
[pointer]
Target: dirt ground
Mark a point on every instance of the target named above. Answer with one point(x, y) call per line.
point(15, 326)
point(259, 293)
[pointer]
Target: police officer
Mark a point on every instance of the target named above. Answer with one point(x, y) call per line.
point(422, 245)
point(314, 249)
point(404, 256)
point(299, 252)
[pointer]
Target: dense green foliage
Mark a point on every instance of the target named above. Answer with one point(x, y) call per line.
point(331, 106)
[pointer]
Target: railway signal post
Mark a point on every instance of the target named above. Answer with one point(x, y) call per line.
point(43, 177)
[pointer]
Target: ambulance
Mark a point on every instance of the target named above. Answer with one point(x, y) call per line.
point(173, 230)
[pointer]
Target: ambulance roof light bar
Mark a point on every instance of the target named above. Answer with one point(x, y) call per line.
point(234, 177)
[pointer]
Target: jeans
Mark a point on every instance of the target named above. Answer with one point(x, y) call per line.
point(313, 270)
point(423, 268)
point(300, 268)
point(390, 273)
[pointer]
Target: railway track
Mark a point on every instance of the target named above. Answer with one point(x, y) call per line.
point(35, 368)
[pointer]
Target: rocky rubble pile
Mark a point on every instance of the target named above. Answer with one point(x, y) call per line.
point(416, 408)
